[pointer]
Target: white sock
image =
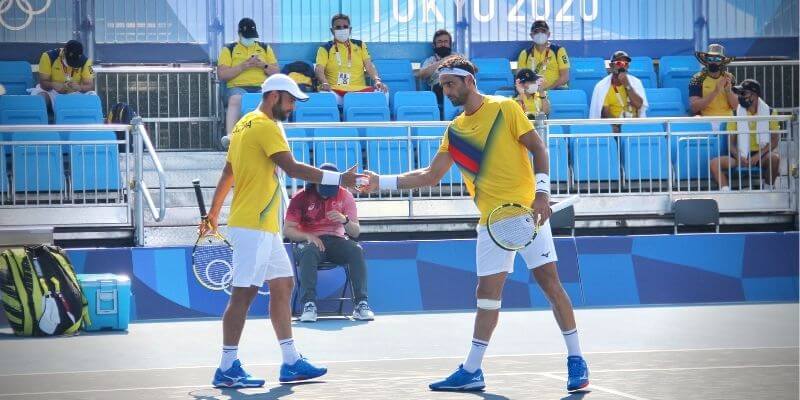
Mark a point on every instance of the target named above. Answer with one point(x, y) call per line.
point(229, 355)
point(573, 344)
point(289, 353)
point(475, 356)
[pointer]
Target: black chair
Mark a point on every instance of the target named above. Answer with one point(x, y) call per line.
point(696, 212)
point(564, 219)
point(323, 266)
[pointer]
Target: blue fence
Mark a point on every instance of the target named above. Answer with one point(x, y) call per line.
point(440, 275)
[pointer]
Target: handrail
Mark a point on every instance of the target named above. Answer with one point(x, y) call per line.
point(153, 68)
point(763, 62)
point(66, 127)
point(141, 190)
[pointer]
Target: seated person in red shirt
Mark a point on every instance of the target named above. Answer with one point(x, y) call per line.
point(323, 218)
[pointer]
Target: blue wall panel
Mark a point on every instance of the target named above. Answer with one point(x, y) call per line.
point(440, 275)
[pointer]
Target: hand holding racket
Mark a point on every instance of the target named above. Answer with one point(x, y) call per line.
point(513, 226)
point(212, 254)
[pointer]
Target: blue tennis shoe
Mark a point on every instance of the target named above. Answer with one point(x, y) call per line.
point(578, 373)
point(235, 376)
point(301, 370)
point(461, 381)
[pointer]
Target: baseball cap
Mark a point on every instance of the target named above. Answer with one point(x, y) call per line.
point(247, 28)
point(283, 83)
point(328, 190)
point(620, 54)
point(540, 24)
point(748, 84)
point(73, 51)
point(526, 75)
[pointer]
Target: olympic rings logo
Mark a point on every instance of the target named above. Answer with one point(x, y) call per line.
point(26, 8)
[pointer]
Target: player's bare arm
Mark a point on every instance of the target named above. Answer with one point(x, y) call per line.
point(428, 176)
point(224, 186)
point(299, 170)
point(541, 164)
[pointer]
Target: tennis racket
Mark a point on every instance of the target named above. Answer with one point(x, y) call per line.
point(212, 255)
point(513, 226)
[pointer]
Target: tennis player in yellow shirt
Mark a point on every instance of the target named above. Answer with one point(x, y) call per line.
point(491, 142)
point(258, 148)
point(545, 58)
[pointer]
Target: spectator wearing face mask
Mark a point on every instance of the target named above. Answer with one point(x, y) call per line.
point(64, 71)
point(342, 61)
point(545, 58)
point(620, 94)
point(530, 94)
point(755, 145)
point(442, 48)
point(711, 89)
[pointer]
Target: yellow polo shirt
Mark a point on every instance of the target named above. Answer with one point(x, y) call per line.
point(547, 63)
point(51, 64)
point(344, 64)
point(236, 53)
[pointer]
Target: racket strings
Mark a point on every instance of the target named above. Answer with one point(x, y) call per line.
point(211, 261)
point(512, 227)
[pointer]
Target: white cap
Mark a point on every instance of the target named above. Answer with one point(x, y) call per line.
point(284, 83)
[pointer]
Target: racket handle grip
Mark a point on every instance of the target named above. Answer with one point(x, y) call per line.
point(199, 194)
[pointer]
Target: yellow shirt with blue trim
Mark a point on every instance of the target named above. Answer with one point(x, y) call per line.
point(344, 64)
point(486, 148)
point(51, 63)
point(547, 63)
point(616, 105)
point(256, 192)
point(702, 85)
point(236, 53)
point(774, 126)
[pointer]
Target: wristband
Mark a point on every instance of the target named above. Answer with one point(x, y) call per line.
point(543, 183)
point(330, 177)
point(388, 182)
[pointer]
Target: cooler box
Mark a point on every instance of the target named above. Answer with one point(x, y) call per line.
point(109, 298)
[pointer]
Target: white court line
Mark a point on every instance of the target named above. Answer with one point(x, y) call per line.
point(398, 359)
point(597, 387)
point(412, 377)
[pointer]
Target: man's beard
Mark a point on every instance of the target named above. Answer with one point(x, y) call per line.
point(279, 113)
point(458, 101)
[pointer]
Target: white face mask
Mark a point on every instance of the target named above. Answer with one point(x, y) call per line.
point(247, 42)
point(540, 38)
point(341, 35)
point(532, 88)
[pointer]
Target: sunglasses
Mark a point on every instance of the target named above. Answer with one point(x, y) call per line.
point(620, 64)
point(714, 59)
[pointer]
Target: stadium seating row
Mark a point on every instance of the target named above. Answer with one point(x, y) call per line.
point(42, 167)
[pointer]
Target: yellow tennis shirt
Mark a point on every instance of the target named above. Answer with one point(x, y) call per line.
point(51, 63)
point(236, 53)
point(256, 194)
point(485, 145)
point(616, 105)
point(344, 64)
point(547, 63)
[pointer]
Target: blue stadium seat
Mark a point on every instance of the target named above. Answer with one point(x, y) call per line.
point(21, 110)
point(320, 107)
point(388, 156)
point(505, 93)
point(449, 110)
point(37, 168)
point(675, 72)
point(16, 76)
point(427, 149)
point(559, 158)
point(584, 73)
point(365, 106)
point(415, 106)
point(594, 159)
point(397, 74)
point(691, 153)
point(301, 150)
point(665, 102)
point(493, 74)
point(645, 157)
point(250, 102)
point(568, 104)
point(344, 154)
point(642, 68)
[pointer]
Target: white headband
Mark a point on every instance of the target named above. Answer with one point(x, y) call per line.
point(456, 72)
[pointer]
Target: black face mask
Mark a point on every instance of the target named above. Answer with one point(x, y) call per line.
point(442, 51)
point(745, 102)
point(714, 68)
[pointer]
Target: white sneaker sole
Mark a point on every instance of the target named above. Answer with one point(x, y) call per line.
point(470, 386)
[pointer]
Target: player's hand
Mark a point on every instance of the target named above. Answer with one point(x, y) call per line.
point(325, 87)
point(313, 239)
point(541, 207)
point(349, 177)
point(373, 182)
point(623, 78)
point(336, 216)
point(755, 159)
point(208, 225)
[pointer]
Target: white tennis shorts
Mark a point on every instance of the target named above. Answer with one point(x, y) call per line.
point(258, 256)
point(492, 259)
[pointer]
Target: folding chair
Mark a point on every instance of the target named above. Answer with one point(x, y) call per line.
point(323, 266)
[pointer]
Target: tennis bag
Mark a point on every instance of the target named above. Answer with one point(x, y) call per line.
point(40, 292)
point(303, 74)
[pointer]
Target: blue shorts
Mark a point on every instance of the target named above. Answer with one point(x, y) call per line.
point(240, 90)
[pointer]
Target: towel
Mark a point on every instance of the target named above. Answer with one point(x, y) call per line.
point(601, 89)
point(762, 128)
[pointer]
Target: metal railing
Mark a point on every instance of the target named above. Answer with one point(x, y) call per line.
point(780, 80)
point(75, 167)
point(179, 105)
